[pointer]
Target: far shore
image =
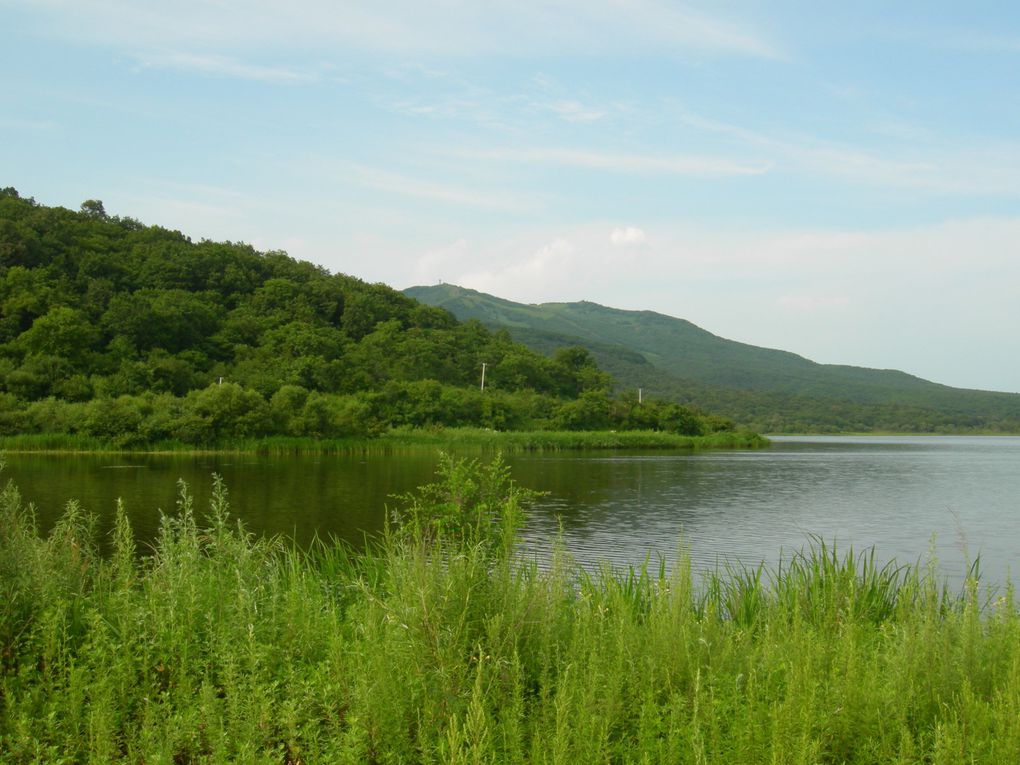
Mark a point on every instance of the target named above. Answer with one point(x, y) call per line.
point(399, 440)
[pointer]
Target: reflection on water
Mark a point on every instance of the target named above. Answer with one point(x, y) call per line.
point(895, 493)
point(299, 497)
point(955, 497)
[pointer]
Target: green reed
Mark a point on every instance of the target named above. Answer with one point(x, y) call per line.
point(403, 440)
point(214, 645)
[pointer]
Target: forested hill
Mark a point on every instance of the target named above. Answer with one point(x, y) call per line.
point(134, 333)
point(767, 389)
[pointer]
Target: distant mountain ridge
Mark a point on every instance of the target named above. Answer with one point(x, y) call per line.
point(761, 387)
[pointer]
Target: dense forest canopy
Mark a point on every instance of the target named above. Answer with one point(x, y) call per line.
point(135, 333)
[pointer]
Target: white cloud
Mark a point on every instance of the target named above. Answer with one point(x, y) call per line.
point(622, 237)
point(201, 211)
point(27, 125)
point(405, 185)
point(575, 111)
point(930, 165)
point(539, 266)
point(977, 43)
point(813, 304)
point(521, 27)
point(548, 265)
point(931, 300)
point(408, 90)
point(224, 66)
point(875, 298)
point(692, 165)
point(957, 171)
point(440, 261)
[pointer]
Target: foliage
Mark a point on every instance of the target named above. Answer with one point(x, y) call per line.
point(401, 440)
point(163, 338)
point(763, 389)
point(470, 505)
point(216, 646)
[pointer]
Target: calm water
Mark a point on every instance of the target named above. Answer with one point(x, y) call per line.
point(895, 493)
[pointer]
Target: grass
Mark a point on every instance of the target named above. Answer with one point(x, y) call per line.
point(216, 646)
point(406, 440)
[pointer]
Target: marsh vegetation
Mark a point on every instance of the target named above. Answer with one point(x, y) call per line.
point(443, 644)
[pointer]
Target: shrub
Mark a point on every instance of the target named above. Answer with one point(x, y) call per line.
point(471, 504)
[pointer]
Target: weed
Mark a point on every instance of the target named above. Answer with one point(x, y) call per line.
point(441, 644)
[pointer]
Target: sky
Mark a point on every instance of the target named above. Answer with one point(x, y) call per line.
point(840, 180)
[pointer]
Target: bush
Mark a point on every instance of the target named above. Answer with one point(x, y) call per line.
point(591, 411)
point(51, 415)
point(116, 419)
point(471, 504)
point(13, 418)
point(285, 408)
point(230, 410)
point(326, 415)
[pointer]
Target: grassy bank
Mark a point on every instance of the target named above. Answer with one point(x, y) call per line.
point(402, 440)
point(442, 646)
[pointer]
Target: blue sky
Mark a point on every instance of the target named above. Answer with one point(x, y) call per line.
point(837, 180)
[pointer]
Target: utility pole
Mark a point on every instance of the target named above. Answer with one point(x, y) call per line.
point(639, 399)
point(483, 375)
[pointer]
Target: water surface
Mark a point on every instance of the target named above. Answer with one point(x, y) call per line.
point(897, 494)
point(955, 497)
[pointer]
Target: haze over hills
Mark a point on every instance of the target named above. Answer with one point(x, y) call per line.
point(764, 388)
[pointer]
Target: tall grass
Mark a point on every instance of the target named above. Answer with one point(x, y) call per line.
point(408, 440)
point(217, 646)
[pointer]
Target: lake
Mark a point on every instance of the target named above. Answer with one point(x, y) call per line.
point(956, 496)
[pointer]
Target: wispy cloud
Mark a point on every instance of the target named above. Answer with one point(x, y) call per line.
point(639, 164)
point(155, 200)
point(405, 185)
point(484, 109)
point(457, 98)
point(523, 27)
point(225, 66)
point(974, 42)
point(575, 111)
point(199, 210)
point(628, 236)
point(673, 23)
point(939, 169)
point(929, 164)
point(27, 125)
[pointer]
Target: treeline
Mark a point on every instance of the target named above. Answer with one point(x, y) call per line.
point(136, 334)
point(772, 412)
point(221, 412)
point(763, 389)
point(778, 412)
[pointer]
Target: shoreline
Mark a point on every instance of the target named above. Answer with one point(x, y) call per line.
point(400, 440)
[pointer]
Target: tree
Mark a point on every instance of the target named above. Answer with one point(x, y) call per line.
point(679, 419)
point(230, 410)
point(93, 208)
point(590, 411)
point(575, 370)
point(25, 295)
point(62, 331)
point(117, 419)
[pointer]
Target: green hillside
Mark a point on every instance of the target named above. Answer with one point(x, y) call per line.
point(760, 387)
point(133, 334)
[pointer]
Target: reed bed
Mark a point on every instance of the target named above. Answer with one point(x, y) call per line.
point(217, 646)
point(403, 440)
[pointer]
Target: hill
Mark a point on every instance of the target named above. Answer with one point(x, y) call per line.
point(132, 333)
point(760, 387)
